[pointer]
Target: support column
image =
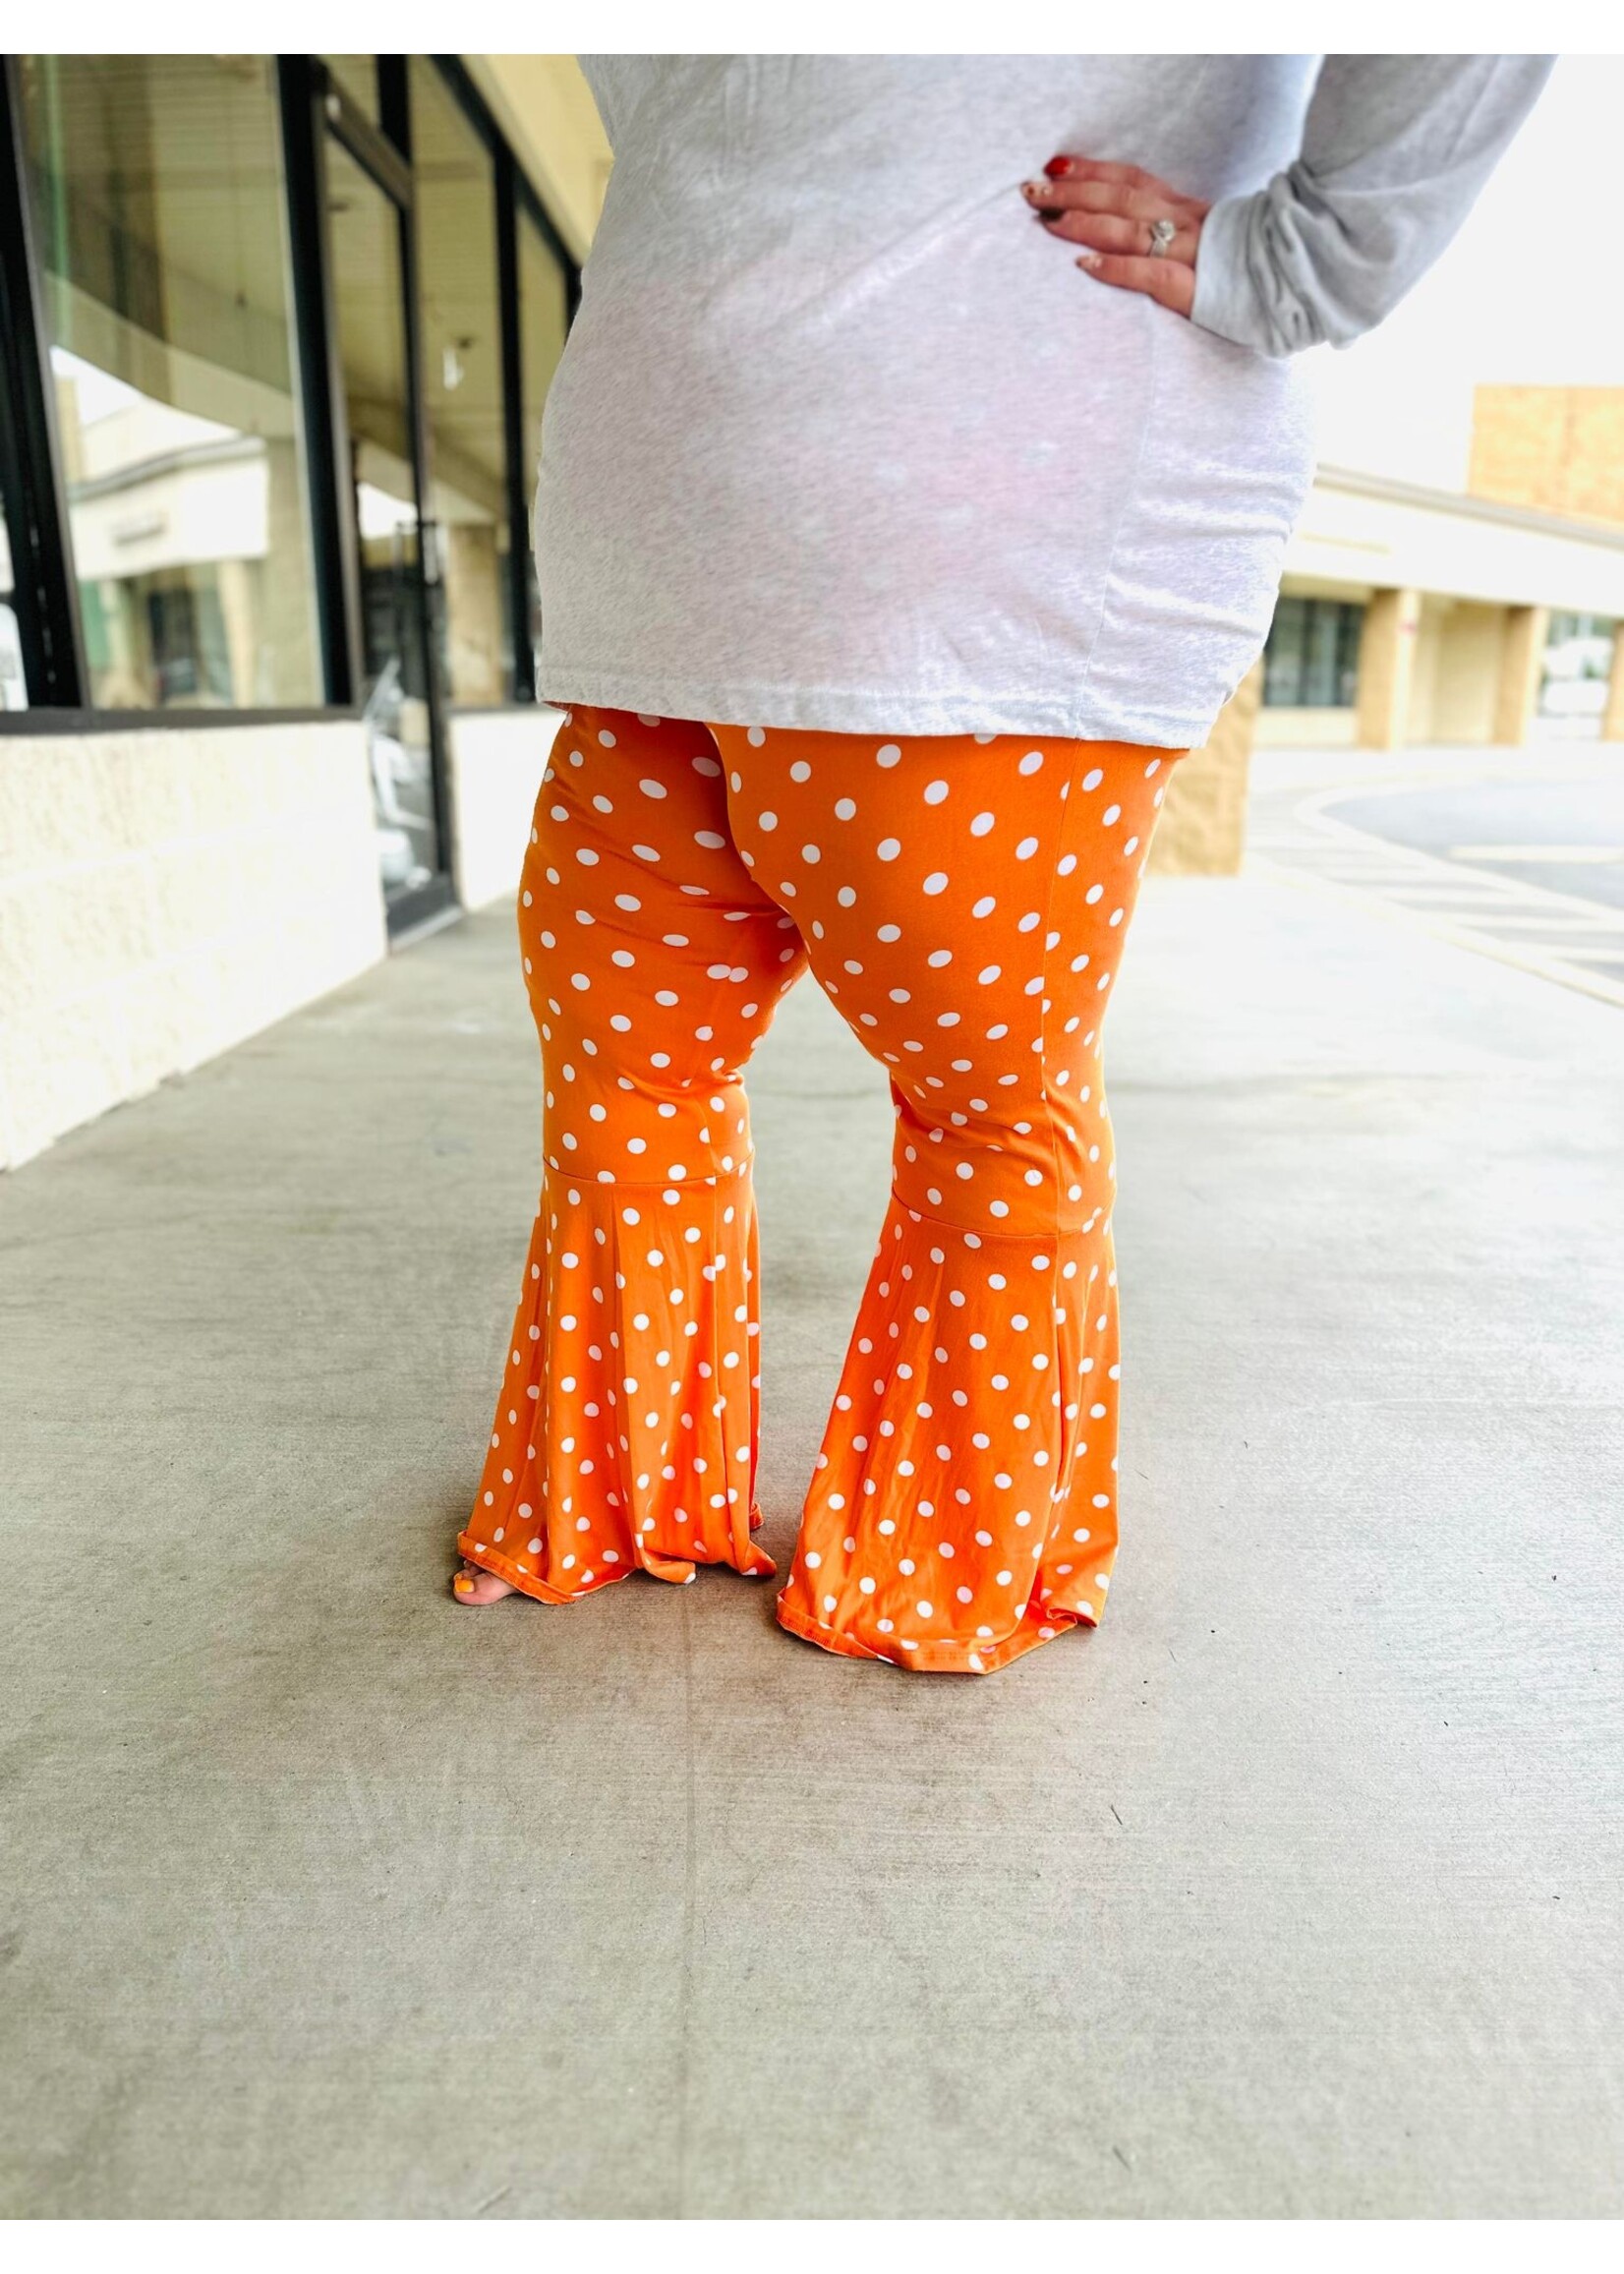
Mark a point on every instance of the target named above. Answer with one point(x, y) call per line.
point(1386, 665)
point(1522, 667)
point(1613, 717)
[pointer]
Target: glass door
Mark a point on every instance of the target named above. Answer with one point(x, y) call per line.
point(369, 245)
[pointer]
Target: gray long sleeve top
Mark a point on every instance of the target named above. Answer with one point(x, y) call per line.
point(1395, 150)
point(842, 439)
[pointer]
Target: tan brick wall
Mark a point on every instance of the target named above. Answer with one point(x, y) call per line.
point(1557, 450)
point(1202, 828)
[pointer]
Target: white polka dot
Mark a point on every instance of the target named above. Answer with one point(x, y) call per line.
point(936, 883)
point(888, 753)
point(889, 847)
point(1031, 761)
point(934, 793)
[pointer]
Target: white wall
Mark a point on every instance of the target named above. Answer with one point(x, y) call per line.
point(1282, 727)
point(496, 762)
point(1356, 531)
point(165, 892)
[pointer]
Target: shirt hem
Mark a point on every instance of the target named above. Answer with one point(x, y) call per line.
point(859, 711)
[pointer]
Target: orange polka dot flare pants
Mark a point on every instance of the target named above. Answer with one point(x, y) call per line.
point(962, 899)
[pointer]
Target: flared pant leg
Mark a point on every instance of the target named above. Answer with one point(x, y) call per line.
point(964, 902)
point(625, 1432)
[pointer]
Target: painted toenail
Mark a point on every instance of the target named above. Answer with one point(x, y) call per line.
point(463, 1584)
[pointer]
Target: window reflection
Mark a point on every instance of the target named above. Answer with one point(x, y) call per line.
point(544, 317)
point(357, 75)
point(462, 380)
point(158, 190)
point(1577, 665)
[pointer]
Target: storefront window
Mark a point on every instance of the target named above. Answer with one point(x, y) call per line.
point(462, 378)
point(158, 203)
point(357, 75)
point(544, 319)
point(1578, 669)
point(1311, 660)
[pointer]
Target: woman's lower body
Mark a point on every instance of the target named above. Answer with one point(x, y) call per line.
point(963, 901)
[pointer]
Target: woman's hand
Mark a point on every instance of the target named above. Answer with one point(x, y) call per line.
point(1112, 211)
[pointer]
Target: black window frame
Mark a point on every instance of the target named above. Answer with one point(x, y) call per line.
point(32, 488)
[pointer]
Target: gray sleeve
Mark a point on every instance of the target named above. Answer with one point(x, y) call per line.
point(1395, 150)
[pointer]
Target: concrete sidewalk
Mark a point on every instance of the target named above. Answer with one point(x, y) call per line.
point(1292, 1891)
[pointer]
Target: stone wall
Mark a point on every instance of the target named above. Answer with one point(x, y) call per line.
point(1202, 830)
point(1558, 449)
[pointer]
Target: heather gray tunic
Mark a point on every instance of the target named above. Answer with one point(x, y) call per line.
point(841, 439)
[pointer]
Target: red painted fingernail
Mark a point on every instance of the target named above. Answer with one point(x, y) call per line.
point(1057, 167)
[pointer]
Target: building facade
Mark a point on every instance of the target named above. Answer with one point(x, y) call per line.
point(276, 334)
point(1410, 615)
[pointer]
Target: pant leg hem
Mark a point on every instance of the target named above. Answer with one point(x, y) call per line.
point(674, 1570)
point(967, 1656)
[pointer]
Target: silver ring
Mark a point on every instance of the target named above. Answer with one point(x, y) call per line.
point(1162, 234)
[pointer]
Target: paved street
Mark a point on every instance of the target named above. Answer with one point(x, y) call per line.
point(1519, 855)
point(1562, 828)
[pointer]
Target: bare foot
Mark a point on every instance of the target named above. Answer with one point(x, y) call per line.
point(472, 1584)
